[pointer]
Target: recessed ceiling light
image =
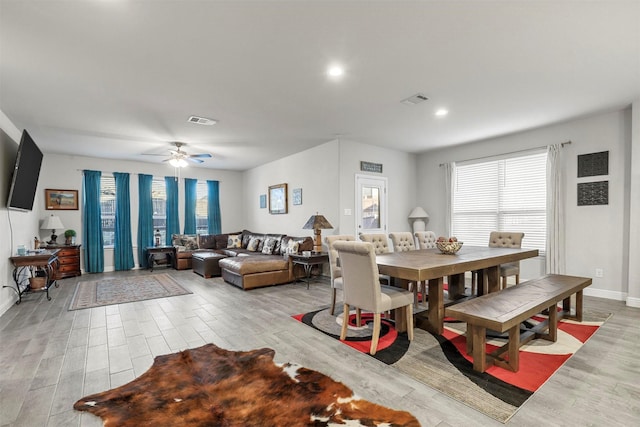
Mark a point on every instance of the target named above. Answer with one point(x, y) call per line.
point(442, 112)
point(335, 71)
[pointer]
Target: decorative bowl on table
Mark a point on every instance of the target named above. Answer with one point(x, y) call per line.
point(449, 248)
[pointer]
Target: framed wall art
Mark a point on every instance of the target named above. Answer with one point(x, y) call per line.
point(278, 199)
point(297, 196)
point(263, 201)
point(61, 199)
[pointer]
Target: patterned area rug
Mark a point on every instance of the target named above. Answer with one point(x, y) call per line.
point(96, 293)
point(441, 362)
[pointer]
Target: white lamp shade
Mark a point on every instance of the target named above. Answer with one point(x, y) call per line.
point(418, 213)
point(51, 223)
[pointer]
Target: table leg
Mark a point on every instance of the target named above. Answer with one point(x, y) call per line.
point(493, 278)
point(307, 272)
point(436, 306)
point(456, 286)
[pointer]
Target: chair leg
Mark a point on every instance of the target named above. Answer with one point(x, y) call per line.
point(409, 314)
point(376, 333)
point(333, 300)
point(358, 317)
point(345, 322)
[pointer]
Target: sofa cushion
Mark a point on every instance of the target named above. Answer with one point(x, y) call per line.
point(234, 241)
point(269, 245)
point(208, 241)
point(254, 264)
point(304, 243)
point(253, 244)
point(184, 242)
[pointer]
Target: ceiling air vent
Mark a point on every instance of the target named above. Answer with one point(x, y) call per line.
point(415, 99)
point(202, 121)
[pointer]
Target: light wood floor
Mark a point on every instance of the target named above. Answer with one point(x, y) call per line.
point(51, 357)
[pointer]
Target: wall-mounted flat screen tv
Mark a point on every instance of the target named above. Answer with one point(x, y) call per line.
point(24, 181)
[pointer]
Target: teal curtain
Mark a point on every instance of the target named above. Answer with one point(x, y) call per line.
point(145, 217)
point(92, 222)
point(123, 245)
point(173, 220)
point(190, 199)
point(213, 207)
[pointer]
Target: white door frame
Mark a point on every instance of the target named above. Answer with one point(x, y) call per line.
point(371, 181)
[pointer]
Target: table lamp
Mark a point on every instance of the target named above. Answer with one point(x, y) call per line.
point(317, 223)
point(418, 215)
point(52, 223)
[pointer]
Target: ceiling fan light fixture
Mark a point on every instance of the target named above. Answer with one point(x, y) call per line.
point(178, 163)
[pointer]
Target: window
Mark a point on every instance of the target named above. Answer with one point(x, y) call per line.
point(202, 224)
point(159, 200)
point(108, 208)
point(506, 194)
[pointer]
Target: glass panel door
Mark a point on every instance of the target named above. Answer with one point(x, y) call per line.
point(371, 204)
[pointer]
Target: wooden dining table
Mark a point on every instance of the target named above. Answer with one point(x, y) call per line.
point(432, 266)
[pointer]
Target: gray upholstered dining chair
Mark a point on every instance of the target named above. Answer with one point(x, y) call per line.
point(380, 242)
point(503, 239)
point(334, 265)
point(362, 289)
point(426, 239)
point(402, 242)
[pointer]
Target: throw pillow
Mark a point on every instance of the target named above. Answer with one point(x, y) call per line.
point(253, 244)
point(292, 247)
point(269, 245)
point(234, 241)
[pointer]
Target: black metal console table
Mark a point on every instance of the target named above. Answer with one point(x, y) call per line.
point(41, 265)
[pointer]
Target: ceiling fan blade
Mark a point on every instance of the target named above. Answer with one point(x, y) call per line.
point(191, 159)
point(200, 156)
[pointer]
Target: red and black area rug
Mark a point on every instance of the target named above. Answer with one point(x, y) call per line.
point(441, 362)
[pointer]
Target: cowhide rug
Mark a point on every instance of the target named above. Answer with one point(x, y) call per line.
point(211, 386)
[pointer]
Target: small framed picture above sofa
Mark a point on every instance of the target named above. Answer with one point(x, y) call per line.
point(278, 199)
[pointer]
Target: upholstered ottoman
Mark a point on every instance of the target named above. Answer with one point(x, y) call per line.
point(206, 264)
point(255, 271)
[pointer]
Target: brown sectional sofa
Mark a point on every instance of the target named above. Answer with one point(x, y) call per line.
point(256, 260)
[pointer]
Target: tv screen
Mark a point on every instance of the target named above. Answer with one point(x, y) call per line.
point(24, 181)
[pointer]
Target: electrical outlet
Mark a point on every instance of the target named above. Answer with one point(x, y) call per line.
point(347, 211)
point(599, 272)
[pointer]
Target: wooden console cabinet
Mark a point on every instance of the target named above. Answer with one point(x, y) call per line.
point(68, 262)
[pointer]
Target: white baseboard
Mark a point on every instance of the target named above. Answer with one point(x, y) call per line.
point(601, 293)
point(633, 302)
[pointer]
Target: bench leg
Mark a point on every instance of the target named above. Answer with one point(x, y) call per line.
point(514, 346)
point(553, 323)
point(479, 337)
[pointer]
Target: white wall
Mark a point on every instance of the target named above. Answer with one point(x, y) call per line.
point(315, 171)
point(597, 236)
point(18, 228)
point(326, 175)
point(65, 172)
point(400, 169)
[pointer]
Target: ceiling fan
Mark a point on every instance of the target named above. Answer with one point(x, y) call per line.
point(179, 158)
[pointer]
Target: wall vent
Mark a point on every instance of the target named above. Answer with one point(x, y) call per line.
point(415, 99)
point(202, 121)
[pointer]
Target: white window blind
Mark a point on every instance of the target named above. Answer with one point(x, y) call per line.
point(506, 194)
point(108, 208)
point(202, 225)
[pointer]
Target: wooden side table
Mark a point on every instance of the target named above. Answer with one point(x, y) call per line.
point(160, 255)
point(316, 258)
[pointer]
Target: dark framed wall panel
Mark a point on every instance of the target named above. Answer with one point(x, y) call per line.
point(593, 164)
point(593, 193)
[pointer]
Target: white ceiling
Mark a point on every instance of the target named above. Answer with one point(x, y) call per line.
point(119, 78)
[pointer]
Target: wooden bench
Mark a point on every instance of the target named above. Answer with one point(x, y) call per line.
point(507, 309)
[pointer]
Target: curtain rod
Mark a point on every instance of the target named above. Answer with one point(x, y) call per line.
point(511, 152)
